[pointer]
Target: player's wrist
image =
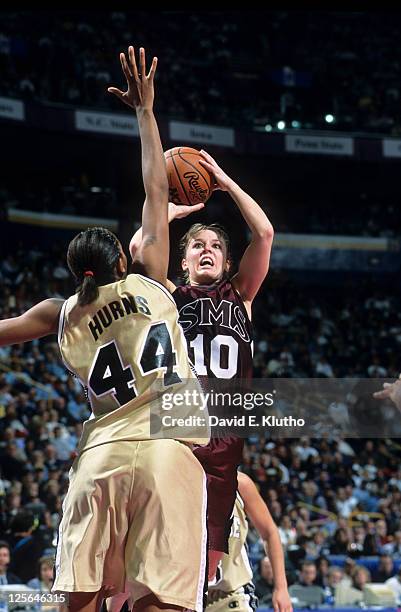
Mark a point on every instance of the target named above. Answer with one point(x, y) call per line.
point(232, 187)
point(144, 112)
point(280, 586)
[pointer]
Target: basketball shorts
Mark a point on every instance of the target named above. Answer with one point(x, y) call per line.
point(135, 516)
point(220, 460)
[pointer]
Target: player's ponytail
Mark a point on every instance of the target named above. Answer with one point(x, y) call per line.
point(92, 257)
point(88, 291)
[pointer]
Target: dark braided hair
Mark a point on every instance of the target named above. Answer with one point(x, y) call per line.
point(97, 250)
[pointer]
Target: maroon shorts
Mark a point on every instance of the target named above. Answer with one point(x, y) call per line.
point(220, 460)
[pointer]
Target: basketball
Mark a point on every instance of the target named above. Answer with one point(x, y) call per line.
point(189, 182)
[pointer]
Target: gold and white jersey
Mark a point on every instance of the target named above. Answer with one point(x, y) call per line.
point(235, 569)
point(128, 350)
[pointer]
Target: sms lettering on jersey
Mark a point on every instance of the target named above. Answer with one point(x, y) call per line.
point(203, 312)
point(117, 309)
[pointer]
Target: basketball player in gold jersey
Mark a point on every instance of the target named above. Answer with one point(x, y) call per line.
point(233, 587)
point(135, 511)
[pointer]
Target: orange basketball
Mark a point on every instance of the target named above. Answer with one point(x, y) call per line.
point(189, 182)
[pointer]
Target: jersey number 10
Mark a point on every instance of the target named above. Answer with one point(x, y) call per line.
point(216, 346)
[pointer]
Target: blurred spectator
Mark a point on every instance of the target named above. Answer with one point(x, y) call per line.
point(346, 502)
point(304, 450)
point(323, 368)
point(376, 538)
point(44, 581)
point(288, 534)
point(340, 543)
point(308, 574)
point(334, 576)
point(360, 576)
point(26, 544)
point(349, 566)
point(6, 577)
point(385, 569)
point(322, 566)
point(393, 548)
point(264, 583)
point(12, 462)
point(62, 444)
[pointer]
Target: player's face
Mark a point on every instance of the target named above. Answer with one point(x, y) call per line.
point(205, 258)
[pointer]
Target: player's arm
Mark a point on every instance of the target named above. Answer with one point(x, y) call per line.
point(153, 252)
point(175, 211)
point(40, 320)
point(254, 263)
point(258, 513)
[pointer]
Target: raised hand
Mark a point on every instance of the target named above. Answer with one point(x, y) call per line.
point(221, 179)
point(140, 90)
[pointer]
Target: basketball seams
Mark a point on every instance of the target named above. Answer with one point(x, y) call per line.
point(187, 150)
point(179, 178)
point(196, 168)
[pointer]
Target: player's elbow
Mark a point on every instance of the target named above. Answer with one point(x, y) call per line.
point(264, 233)
point(267, 233)
point(268, 530)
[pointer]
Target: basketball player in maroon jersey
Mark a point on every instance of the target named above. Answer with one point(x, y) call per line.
point(215, 313)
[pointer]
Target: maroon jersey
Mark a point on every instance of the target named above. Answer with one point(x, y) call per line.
point(219, 338)
point(217, 328)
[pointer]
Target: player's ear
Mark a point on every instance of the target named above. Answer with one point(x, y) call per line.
point(122, 265)
point(184, 264)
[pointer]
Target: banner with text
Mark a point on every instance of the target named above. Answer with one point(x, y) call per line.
point(194, 132)
point(319, 145)
point(107, 123)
